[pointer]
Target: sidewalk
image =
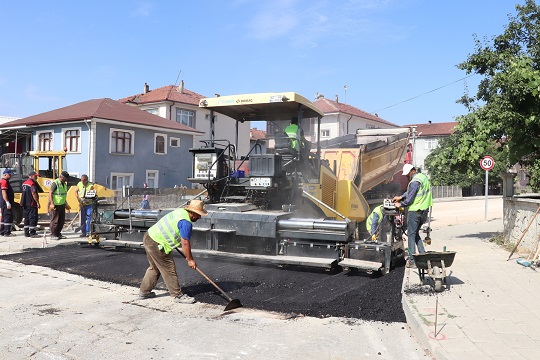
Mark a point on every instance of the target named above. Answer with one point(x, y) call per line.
point(492, 309)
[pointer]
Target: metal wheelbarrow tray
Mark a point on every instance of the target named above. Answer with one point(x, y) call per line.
point(434, 264)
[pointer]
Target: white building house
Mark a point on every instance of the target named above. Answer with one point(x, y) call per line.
point(179, 104)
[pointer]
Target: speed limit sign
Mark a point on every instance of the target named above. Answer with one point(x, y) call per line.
point(487, 163)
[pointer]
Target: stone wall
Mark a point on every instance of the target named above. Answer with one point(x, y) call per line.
point(517, 213)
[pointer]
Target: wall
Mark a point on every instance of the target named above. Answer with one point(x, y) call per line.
point(174, 167)
point(517, 214)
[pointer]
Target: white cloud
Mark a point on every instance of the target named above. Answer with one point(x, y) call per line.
point(307, 22)
point(142, 9)
point(33, 93)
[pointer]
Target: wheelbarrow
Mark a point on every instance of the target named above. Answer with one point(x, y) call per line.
point(434, 264)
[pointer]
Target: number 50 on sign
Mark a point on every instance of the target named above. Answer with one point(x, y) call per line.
point(487, 163)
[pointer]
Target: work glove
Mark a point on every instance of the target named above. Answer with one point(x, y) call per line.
point(374, 237)
point(8, 204)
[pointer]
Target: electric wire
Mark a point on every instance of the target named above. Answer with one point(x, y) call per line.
point(417, 96)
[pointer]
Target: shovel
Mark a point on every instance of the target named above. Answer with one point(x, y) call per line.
point(233, 303)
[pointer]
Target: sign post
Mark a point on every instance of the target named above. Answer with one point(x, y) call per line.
point(486, 163)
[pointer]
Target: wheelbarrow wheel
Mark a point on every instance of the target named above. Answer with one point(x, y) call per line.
point(437, 278)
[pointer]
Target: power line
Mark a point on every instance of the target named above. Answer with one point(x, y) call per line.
point(415, 97)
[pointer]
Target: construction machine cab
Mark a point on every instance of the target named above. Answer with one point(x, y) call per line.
point(274, 178)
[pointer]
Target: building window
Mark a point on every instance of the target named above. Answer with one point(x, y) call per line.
point(431, 144)
point(159, 144)
point(174, 142)
point(325, 133)
point(119, 180)
point(121, 142)
point(154, 111)
point(152, 178)
point(45, 141)
point(185, 117)
point(72, 139)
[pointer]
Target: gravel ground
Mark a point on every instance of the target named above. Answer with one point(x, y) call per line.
point(288, 290)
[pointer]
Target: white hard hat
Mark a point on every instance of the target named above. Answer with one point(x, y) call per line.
point(407, 169)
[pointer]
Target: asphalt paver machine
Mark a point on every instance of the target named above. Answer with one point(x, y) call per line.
point(290, 204)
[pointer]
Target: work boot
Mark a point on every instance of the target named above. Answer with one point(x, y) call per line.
point(184, 299)
point(149, 295)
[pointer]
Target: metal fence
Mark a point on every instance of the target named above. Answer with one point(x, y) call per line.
point(446, 191)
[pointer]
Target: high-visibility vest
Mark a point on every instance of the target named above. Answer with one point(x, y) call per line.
point(83, 191)
point(165, 232)
point(60, 194)
point(292, 132)
point(369, 221)
point(424, 198)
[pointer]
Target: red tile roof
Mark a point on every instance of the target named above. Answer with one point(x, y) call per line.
point(256, 134)
point(329, 106)
point(103, 109)
point(165, 93)
point(434, 129)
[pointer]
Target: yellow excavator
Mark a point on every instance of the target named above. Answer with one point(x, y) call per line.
point(49, 165)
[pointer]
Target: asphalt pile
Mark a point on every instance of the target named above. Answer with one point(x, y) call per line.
point(292, 291)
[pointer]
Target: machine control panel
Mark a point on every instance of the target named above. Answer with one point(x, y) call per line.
point(205, 166)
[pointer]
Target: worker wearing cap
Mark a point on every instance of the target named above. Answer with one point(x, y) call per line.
point(30, 204)
point(418, 199)
point(85, 204)
point(58, 205)
point(6, 201)
point(171, 231)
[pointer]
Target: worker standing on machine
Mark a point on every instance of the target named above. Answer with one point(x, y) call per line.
point(374, 223)
point(171, 231)
point(418, 199)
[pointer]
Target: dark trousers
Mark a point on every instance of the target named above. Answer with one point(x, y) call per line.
point(58, 218)
point(7, 220)
point(30, 220)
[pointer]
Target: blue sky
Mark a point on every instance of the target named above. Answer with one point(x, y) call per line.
point(58, 53)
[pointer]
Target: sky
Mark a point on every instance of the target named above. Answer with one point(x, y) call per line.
point(393, 58)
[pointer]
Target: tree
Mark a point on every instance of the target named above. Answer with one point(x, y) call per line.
point(504, 115)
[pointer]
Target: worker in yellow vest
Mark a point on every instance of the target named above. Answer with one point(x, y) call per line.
point(418, 199)
point(85, 204)
point(374, 223)
point(58, 205)
point(171, 231)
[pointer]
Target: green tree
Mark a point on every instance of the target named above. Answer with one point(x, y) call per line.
point(504, 115)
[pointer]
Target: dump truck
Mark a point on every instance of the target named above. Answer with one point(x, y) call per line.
point(49, 165)
point(297, 205)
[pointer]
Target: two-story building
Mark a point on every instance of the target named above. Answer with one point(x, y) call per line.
point(426, 138)
point(176, 103)
point(113, 143)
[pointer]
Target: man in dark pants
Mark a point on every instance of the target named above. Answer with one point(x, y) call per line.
point(58, 205)
point(171, 231)
point(30, 204)
point(7, 199)
point(418, 199)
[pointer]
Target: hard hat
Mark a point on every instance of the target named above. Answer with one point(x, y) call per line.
point(407, 169)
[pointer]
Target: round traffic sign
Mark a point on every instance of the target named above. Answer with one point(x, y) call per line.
point(487, 163)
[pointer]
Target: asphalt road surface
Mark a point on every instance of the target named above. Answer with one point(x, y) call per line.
point(287, 290)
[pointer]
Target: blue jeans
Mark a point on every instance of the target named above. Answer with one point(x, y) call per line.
point(415, 220)
point(86, 218)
